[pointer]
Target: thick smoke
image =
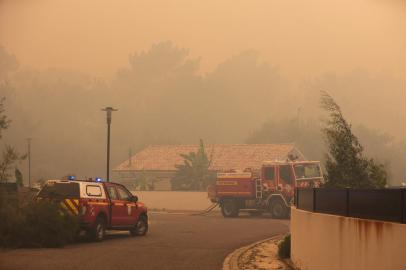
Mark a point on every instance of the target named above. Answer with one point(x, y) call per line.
point(61, 64)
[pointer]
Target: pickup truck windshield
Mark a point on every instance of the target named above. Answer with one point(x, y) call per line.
point(60, 190)
point(306, 171)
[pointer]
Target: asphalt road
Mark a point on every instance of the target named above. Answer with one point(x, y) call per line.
point(175, 241)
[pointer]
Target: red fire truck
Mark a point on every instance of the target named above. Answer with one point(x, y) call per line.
point(270, 189)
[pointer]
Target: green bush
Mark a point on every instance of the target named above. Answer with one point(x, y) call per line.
point(10, 222)
point(284, 247)
point(35, 224)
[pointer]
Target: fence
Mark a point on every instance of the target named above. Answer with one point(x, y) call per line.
point(378, 204)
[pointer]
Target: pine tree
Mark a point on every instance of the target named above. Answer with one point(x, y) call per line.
point(346, 164)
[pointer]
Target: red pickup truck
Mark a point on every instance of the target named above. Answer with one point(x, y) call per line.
point(100, 206)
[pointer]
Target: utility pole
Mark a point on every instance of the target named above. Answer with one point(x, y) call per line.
point(29, 161)
point(108, 111)
point(130, 155)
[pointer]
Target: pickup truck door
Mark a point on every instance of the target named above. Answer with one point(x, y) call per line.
point(130, 215)
point(118, 207)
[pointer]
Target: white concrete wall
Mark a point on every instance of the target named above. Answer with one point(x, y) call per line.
point(174, 200)
point(321, 241)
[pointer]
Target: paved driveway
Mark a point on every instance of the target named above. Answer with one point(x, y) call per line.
point(175, 241)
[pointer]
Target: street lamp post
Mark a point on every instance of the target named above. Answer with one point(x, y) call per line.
point(29, 162)
point(108, 111)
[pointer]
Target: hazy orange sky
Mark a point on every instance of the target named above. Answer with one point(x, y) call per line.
point(302, 38)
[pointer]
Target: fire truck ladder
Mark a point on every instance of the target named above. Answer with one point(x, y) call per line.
point(258, 188)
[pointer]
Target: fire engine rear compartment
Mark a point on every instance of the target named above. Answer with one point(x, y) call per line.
point(236, 185)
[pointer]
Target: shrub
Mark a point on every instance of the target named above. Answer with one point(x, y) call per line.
point(35, 224)
point(284, 247)
point(10, 221)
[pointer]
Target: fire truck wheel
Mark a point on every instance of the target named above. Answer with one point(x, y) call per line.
point(141, 228)
point(278, 209)
point(229, 209)
point(98, 232)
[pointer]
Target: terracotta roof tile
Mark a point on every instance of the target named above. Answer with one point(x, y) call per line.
point(224, 156)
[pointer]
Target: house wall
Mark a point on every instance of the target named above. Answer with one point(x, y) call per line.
point(174, 200)
point(161, 179)
point(321, 241)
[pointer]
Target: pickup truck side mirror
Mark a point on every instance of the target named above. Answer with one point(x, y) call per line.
point(134, 198)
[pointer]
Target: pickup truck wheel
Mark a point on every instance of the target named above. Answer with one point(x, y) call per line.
point(141, 227)
point(98, 232)
point(229, 209)
point(278, 209)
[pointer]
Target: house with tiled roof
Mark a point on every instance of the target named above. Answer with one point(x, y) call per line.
point(158, 162)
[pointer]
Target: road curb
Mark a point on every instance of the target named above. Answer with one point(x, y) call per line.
point(231, 261)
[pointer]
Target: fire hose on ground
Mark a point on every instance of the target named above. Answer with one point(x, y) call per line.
point(206, 211)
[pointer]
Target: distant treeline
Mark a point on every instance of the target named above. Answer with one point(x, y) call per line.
point(164, 99)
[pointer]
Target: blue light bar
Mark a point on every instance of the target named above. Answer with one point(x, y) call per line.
point(98, 179)
point(71, 177)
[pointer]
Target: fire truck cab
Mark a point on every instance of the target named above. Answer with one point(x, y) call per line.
point(269, 189)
